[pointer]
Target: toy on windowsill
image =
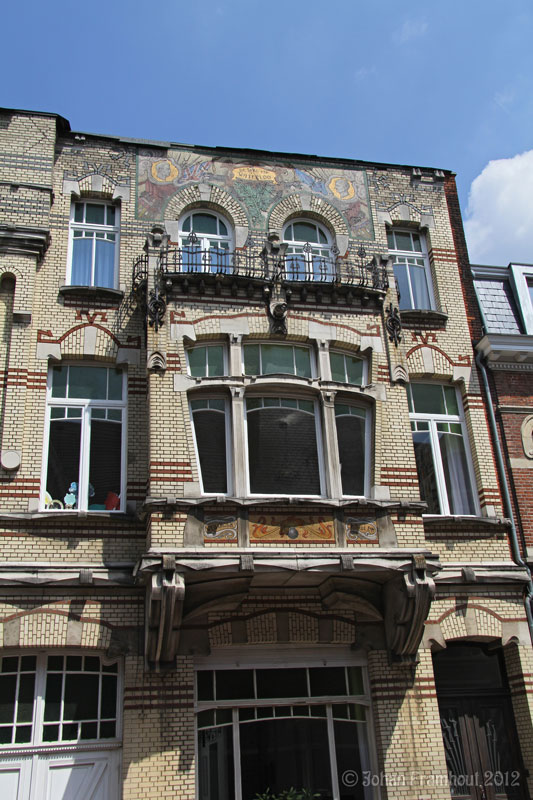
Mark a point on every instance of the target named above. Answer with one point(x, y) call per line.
point(71, 497)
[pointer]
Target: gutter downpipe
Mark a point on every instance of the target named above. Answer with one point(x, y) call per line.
point(513, 537)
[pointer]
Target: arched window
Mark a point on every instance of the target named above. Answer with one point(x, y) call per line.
point(309, 251)
point(206, 242)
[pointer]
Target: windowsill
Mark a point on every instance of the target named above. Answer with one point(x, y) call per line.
point(72, 515)
point(92, 291)
point(418, 314)
point(448, 524)
point(403, 506)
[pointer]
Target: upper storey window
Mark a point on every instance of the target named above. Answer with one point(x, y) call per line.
point(86, 441)
point(411, 269)
point(346, 368)
point(271, 359)
point(442, 461)
point(309, 255)
point(206, 242)
point(207, 361)
point(94, 233)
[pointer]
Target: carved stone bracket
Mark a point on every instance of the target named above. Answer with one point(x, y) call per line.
point(406, 603)
point(165, 592)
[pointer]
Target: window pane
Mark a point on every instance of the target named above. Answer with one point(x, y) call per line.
point(403, 240)
point(94, 214)
point(59, 381)
point(104, 264)
point(350, 744)
point(428, 398)
point(280, 753)
point(426, 472)
point(351, 441)
point(52, 701)
point(282, 452)
point(8, 687)
point(251, 359)
point(215, 360)
point(277, 358)
point(293, 684)
point(338, 372)
point(81, 697)
point(458, 488)
point(63, 463)
point(451, 400)
point(305, 232)
point(402, 281)
point(110, 215)
point(25, 699)
point(108, 703)
point(327, 680)
point(419, 286)
point(234, 684)
point(82, 256)
point(390, 240)
point(302, 358)
point(115, 384)
point(78, 212)
point(88, 383)
point(354, 370)
point(204, 683)
point(105, 465)
point(210, 431)
point(197, 363)
point(216, 779)
point(204, 223)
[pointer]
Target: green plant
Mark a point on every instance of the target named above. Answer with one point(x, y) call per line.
point(288, 794)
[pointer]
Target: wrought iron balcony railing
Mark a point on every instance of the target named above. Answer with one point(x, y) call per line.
point(298, 267)
point(139, 271)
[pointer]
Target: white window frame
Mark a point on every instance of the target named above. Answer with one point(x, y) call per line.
point(522, 275)
point(282, 658)
point(85, 434)
point(423, 255)
point(207, 345)
point(356, 356)
point(85, 226)
point(280, 344)
point(205, 240)
point(229, 443)
point(286, 394)
point(342, 401)
point(433, 419)
point(39, 703)
point(295, 248)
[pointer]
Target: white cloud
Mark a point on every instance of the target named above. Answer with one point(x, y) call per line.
point(411, 29)
point(505, 99)
point(363, 73)
point(499, 217)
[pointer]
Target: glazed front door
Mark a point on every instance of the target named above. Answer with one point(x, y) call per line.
point(478, 728)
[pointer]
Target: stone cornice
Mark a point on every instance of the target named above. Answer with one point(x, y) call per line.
point(23, 240)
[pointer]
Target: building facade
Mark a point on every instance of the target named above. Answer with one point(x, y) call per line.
point(252, 530)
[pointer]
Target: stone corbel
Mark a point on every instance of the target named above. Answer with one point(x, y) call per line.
point(407, 601)
point(165, 592)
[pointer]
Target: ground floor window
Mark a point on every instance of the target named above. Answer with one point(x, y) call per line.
point(263, 731)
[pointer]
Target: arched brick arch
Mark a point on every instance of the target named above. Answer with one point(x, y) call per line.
point(207, 196)
point(53, 627)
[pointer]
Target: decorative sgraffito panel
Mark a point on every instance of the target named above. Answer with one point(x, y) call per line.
point(290, 528)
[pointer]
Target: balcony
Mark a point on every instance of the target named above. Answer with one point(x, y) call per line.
point(304, 267)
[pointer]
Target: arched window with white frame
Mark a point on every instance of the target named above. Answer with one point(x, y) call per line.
point(309, 251)
point(206, 241)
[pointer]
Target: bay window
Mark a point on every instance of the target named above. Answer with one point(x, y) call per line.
point(263, 729)
point(94, 233)
point(85, 443)
point(441, 451)
point(269, 359)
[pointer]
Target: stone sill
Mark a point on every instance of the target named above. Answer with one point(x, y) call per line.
point(92, 292)
point(446, 526)
point(423, 315)
point(365, 503)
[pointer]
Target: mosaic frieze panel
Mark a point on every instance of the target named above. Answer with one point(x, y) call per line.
point(220, 528)
point(290, 528)
point(361, 530)
point(259, 186)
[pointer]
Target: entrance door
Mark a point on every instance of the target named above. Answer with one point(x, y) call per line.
point(478, 728)
point(76, 776)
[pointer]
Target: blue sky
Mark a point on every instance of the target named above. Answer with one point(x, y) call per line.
point(448, 85)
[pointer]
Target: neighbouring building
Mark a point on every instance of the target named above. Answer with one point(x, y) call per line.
point(504, 339)
point(252, 531)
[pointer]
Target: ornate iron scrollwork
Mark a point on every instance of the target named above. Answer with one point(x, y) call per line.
point(393, 325)
point(156, 308)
